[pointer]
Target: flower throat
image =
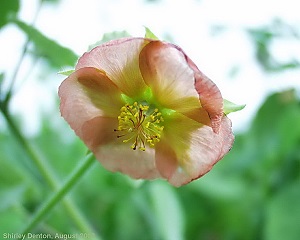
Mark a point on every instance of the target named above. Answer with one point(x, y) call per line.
point(140, 124)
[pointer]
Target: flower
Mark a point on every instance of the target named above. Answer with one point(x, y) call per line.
point(145, 109)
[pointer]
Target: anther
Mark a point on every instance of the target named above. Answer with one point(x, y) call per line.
point(139, 124)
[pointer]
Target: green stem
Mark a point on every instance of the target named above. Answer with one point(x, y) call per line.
point(23, 54)
point(48, 174)
point(39, 162)
point(54, 200)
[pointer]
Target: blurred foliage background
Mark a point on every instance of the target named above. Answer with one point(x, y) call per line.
point(253, 193)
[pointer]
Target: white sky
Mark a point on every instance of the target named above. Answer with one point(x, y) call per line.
point(77, 24)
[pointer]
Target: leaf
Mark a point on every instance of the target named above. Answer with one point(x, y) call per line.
point(149, 34)
point(12, 220)
point(9, 8)
point(10, 196)
point(283, 214)
point(264, 37)
point(55, 54)
point(109, 36)
point(276, 128)
point(1, 78)
point(52, 1)
point(215, 186)
point(168, 211)
point(1, 81)
point(230, 107)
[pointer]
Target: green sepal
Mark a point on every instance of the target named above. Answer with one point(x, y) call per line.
point(149, 34)
point(88, 151)
point(66, 73)
point(230, 107)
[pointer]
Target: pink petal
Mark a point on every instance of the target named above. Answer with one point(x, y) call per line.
point(182, 158)
point(195, 137)
point(85, 94)
point(166, 160)
point(117, 156)
point(113, 154)
point(166, 71)
point(98, 131)
point(119, 60)
point(99, 135)
point(90, 103)
point(209, 95)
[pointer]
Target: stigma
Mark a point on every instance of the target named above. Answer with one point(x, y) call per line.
point(140, 124)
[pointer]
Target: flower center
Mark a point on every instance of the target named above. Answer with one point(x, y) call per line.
point(140, 124)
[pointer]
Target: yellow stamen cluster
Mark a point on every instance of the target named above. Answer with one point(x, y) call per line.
point(141, 125)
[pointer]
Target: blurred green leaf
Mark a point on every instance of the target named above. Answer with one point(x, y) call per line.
point(262, 163)
point(50, 139)
point(149, 34)
point(283, 214)
point(56, 55)
point(109, 36)
point(168, 211)
point(51, 1)
point(125, 228)
point(230, 107)
point(217, 186)
point(14, 162)
point(264, 36)
point(273, 135)
point(273, 121)
point(1, 81)
point(8, 10)
point(9, 196)
point(1, 78)
point(19, 182)
point(11, 221)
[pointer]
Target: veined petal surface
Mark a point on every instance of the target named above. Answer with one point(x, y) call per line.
point(86, 94)
point(119, 59)
point(100, 101)
point(209, 95)
point(114, 154)
point(189, 149)
point(167, 73)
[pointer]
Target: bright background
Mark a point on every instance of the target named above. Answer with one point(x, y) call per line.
point(250, 49)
